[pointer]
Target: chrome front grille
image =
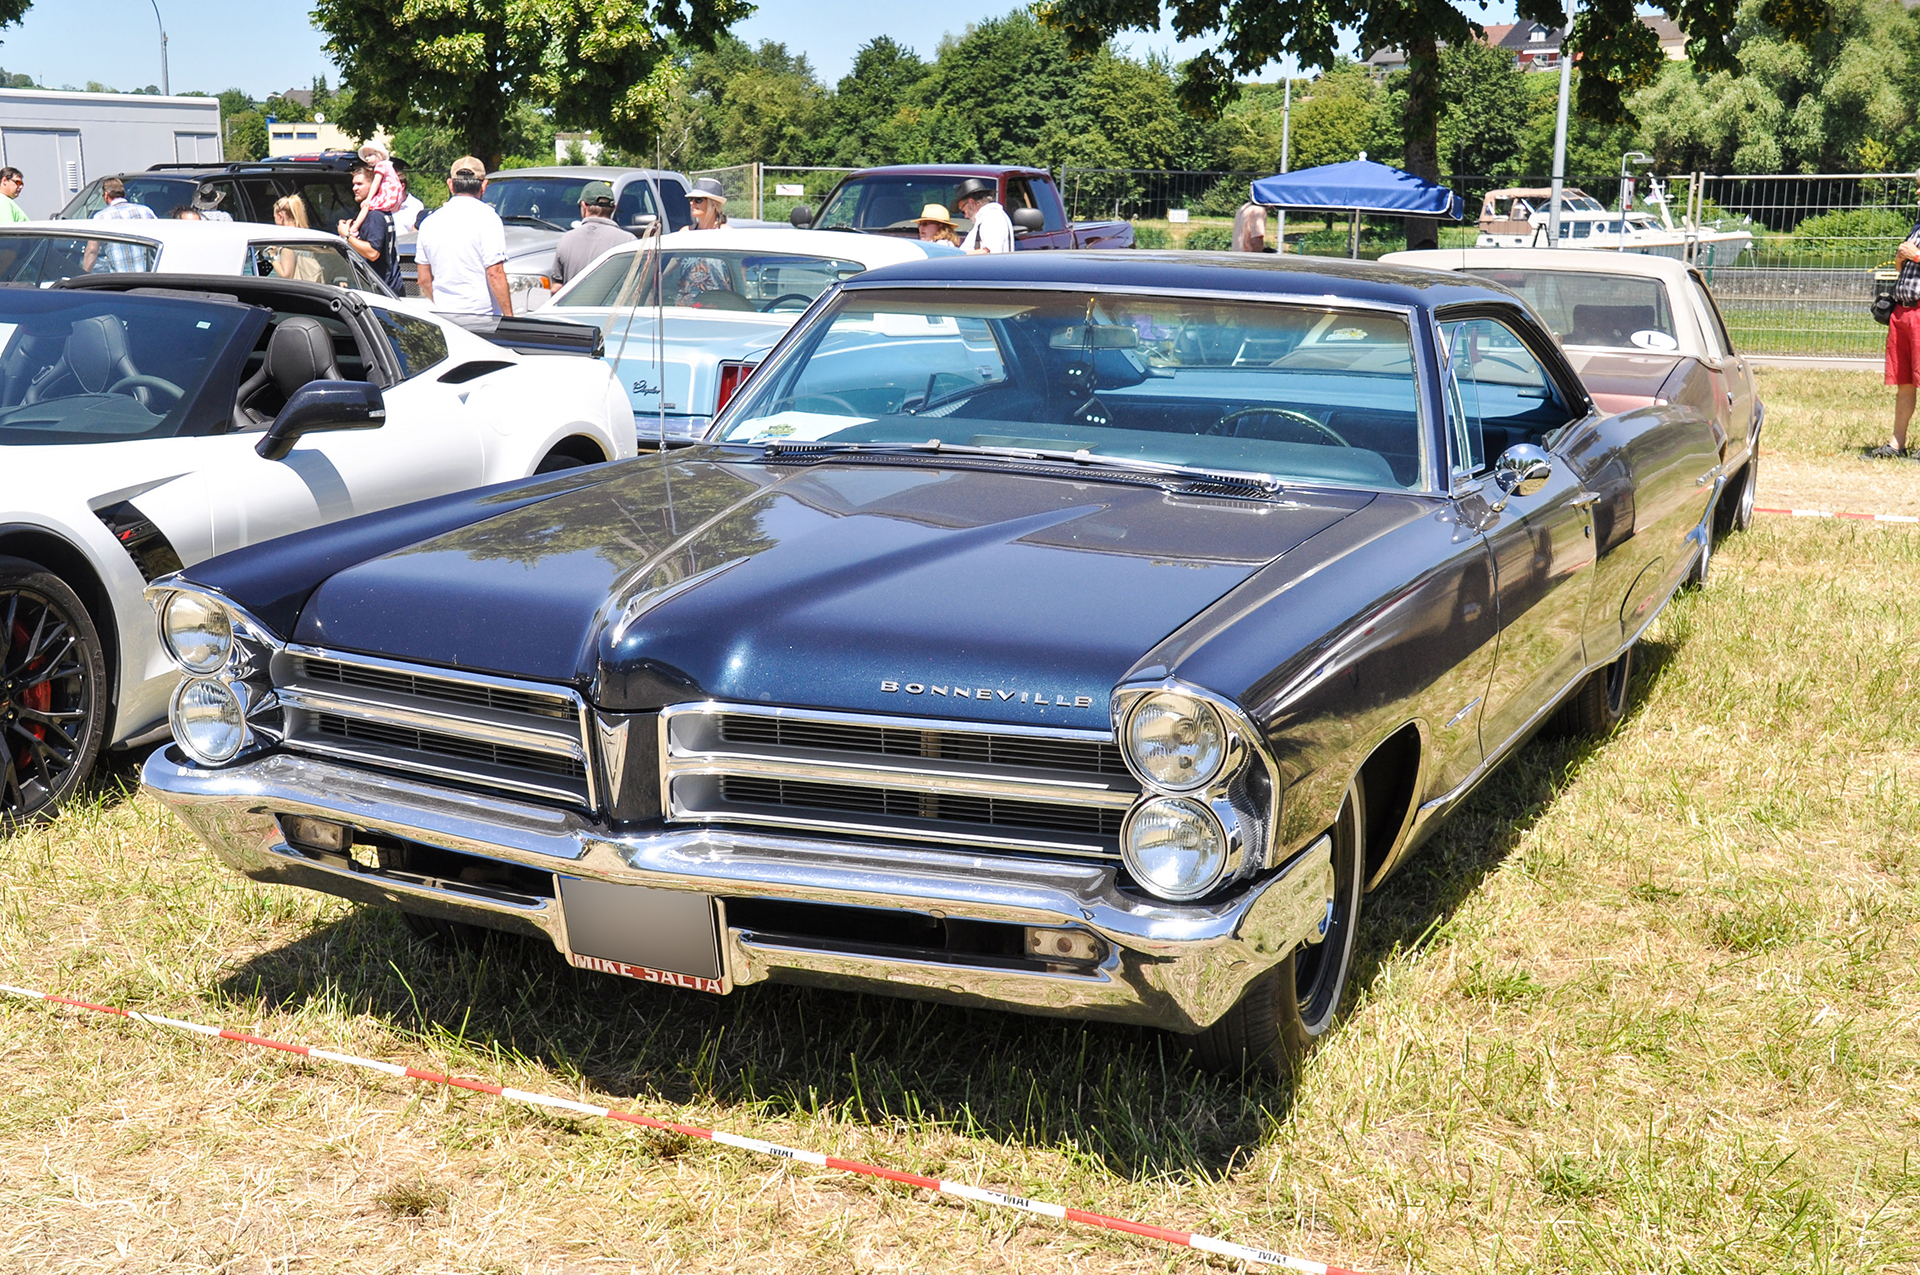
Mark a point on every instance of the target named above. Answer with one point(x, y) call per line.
point(996, 787)
point(497, 734)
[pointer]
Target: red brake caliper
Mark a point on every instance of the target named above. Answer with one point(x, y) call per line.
point(38, 698)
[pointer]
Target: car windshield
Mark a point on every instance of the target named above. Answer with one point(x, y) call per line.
point(1589, 308)
point(1296, 390)
point(41, 257)
point(552, 199)
point(719, 279)
point(312, 262)
point(890, 201)
point(161, 194)
point(98, 367)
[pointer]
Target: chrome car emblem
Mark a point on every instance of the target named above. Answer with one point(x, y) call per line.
point(956, 691)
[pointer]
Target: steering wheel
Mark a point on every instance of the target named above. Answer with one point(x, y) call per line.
point(784, 297)
point(1223, 425)
point(147, 382)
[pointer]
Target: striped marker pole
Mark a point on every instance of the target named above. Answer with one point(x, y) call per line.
point(959, 1190)
point(1823, 513)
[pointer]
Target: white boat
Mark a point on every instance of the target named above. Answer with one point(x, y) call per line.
point(1518, 218)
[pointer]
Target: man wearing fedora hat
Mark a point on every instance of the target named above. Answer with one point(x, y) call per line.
point(708, 204)
point(596, 233)
point(978, 199)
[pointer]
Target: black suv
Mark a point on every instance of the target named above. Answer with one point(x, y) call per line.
point(250, 189)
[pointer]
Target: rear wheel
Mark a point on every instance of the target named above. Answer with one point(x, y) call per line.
point(1599, 703)
point(1736, 504)
point(53, 698)
point(1291, 1008)
point(555, 461)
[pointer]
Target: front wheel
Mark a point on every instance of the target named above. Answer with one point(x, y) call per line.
point(53, 696)
point(1291, 1008)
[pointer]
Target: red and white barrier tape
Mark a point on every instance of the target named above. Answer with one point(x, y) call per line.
point(960, 1190)
point(1822, 513)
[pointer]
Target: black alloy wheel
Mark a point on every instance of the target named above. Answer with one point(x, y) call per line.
point(52, 692)
point(1286, 1012)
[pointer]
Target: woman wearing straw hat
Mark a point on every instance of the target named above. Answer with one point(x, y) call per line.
point(937, 227)
point(708, 204)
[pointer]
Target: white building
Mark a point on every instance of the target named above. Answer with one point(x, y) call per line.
point(60, 141)
point(286, 138)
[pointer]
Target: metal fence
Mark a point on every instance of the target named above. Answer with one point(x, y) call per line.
point(1801, 287)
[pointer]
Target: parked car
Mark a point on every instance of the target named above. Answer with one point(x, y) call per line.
point(888, 201)
point(1640, 330)
point(1077, 634)
point(151, 421)
point(713, 337)
point(39, 252)
point(249, 190)
point(538, 205)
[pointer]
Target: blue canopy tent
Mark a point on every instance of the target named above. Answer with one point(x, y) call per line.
point(1355, 187)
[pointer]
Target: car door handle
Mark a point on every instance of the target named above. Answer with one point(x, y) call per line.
point(1584, 499)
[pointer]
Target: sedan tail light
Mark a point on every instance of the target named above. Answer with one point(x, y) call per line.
point(732, 377)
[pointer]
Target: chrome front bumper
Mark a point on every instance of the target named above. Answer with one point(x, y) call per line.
point(1175, 967)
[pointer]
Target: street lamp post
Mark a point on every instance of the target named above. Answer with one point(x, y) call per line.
point(1560, 136)
point(166, 89)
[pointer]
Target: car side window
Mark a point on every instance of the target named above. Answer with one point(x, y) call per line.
point(1021, 194)
point(1712, 326)
point(674, 196)
point(636, 201)
point(329, 200)
point(88, 202)
point(418, 343)
point(1498, 393)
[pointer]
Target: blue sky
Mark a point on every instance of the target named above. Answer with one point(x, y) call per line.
point(264, 46)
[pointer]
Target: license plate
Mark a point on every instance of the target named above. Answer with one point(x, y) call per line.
point(669, 937)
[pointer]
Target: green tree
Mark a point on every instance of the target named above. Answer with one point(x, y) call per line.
point(1843, 101)
point(1337, 116)
point(868, 104)
point(463, 64)
point(246, 135)
point(11, 11)
point(1483, 120)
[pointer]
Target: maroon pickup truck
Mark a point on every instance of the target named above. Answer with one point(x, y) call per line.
point(887, 201)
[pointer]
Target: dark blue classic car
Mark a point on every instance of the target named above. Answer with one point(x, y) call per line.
point(1073, 634)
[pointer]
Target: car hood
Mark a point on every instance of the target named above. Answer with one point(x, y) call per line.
point(882, 587)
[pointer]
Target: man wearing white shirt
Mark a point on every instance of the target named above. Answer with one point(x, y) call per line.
point(462, 249)
point(977, 198)
point(406, 218)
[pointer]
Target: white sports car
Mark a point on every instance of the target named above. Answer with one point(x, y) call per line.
point(150, 421)
point(40, 252)
point(722, 299)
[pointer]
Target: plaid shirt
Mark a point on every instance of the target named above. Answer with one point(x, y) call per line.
point(1906, 289)
point(124, 258)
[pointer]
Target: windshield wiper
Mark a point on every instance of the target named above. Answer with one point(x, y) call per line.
point(1265, 483)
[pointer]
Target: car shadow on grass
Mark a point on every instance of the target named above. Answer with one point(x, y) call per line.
point(1129, 1098)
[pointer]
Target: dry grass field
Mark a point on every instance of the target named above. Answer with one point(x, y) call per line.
point(1650, 1004)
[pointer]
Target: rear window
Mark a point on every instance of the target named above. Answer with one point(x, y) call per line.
point(1611, 311)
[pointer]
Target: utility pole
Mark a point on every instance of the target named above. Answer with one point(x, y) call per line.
point(166, 89)
point(1560, 135)
point(1286, 137)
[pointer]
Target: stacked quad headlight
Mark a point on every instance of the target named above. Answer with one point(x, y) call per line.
point(1194, 825)
point(218, 710)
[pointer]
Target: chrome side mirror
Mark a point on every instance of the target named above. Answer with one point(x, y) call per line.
point(1522, 470)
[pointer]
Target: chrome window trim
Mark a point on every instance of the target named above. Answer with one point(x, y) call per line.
point(1432, 448)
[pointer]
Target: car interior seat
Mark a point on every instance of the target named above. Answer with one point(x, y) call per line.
point(95, 359)
point(1610, 324)
point(300, 350)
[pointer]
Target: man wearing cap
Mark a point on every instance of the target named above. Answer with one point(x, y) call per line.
point(462, 248)
point(978, 201)
point(708, 204)
point(596, 233)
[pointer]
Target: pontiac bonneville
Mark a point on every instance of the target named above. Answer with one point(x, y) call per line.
point(1065, 633)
